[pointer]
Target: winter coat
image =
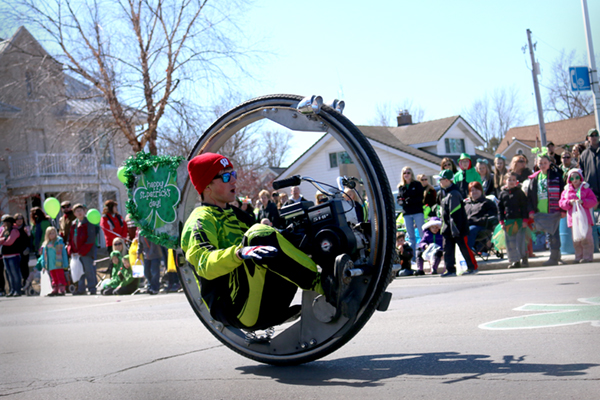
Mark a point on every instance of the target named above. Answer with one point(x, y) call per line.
point(512, 204)
point(489, 187)
point(121, 276)
point(522, 177)
point(481, 212)
point(555, 188)
point(429, 237)
point(406, 256)
point(463, 178)
point(589, 164)
point(271, 213)
point(430, 197)
point(112, 224)
point(150, 250)
point(81, 238)
point(453, 212)
point(588, 201)
point(37, 237)
point(55, 255)
point(10, 242)
point(410, 197)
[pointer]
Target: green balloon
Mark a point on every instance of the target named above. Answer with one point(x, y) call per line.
point(93, 216)
point(121, 175)
point(52, 207)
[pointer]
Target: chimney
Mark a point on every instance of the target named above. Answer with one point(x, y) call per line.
point(404, 118)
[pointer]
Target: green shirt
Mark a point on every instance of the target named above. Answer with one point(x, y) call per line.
point(542, 192)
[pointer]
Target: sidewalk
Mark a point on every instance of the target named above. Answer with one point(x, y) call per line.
point(542, 256)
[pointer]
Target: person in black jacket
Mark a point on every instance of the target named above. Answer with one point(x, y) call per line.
point(543, 195)
point(513, 212)
point(405, 253)
point(455, 225)
point(410, 198)
point(268, 209)
point(482, 212)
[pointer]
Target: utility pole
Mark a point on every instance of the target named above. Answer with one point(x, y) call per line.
point(592, 61)
point(535, 69)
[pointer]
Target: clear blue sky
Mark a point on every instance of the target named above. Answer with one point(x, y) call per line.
point(442, 55)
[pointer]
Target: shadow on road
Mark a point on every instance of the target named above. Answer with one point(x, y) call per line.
point(365, 371)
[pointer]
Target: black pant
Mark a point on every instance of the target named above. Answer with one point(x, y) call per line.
point(2, 280)
point(450, 244)
point(24, 267)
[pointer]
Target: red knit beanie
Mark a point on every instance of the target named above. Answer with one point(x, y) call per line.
point(205, 167)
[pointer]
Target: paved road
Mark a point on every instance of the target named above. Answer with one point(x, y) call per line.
point(441, 338)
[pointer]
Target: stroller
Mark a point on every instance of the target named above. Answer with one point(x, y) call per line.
point(483, 246)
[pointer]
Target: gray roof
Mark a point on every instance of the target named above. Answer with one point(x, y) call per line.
point(423, 132)
point(384, 136)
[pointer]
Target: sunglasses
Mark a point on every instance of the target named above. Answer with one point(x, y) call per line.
point(69, 206)
point(226, 177)
point(574, 178)
point(407, 172)
point(566, 157)
point(118, 244)
point(424, 180)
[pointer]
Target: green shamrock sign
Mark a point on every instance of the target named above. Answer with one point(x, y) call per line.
point(154, 195)
point(157, 197)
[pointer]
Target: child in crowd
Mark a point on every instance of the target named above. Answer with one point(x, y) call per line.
point(121, 278)
point(405, 253)
point(578, 191)
point(513, 212)
point(55, 259)
point(465, 175)
point(431, 236)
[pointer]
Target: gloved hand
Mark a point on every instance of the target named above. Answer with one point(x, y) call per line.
point(256, 252)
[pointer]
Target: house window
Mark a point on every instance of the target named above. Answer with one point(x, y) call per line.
point(29, 83)
point(455, 146)
point(339, 158)
point(520, 151)
point(104, 153)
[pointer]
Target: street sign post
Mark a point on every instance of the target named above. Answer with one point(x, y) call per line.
point(580, 79)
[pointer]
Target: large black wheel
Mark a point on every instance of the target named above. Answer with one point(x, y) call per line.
point(310, 337)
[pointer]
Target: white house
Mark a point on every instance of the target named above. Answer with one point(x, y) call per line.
point(420, 146)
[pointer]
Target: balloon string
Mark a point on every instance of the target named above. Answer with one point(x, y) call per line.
point(115, 233)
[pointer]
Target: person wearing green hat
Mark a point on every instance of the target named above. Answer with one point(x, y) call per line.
point(589, 162)
point(465, 175)
point(455, 225)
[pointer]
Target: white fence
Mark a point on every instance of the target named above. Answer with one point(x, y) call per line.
point(47, 164)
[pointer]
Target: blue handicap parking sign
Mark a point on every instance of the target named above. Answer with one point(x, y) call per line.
point(580, 78)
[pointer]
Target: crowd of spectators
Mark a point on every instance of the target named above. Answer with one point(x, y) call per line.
point(54, 244)
point(508, 193)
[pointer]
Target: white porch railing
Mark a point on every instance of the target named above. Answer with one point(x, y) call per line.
point(48, 164)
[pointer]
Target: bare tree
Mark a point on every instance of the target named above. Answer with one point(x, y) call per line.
point(492, 116)
point(138, 53)
point(561, 102)
point(386, 113)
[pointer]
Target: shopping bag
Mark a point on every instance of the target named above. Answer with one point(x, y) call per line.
point(137, 269)
point(76, 268)
point(45, 283)
point(430, 251)
point(580, 223)
point(171, 261)
point(461, 264)
point(498, 238)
